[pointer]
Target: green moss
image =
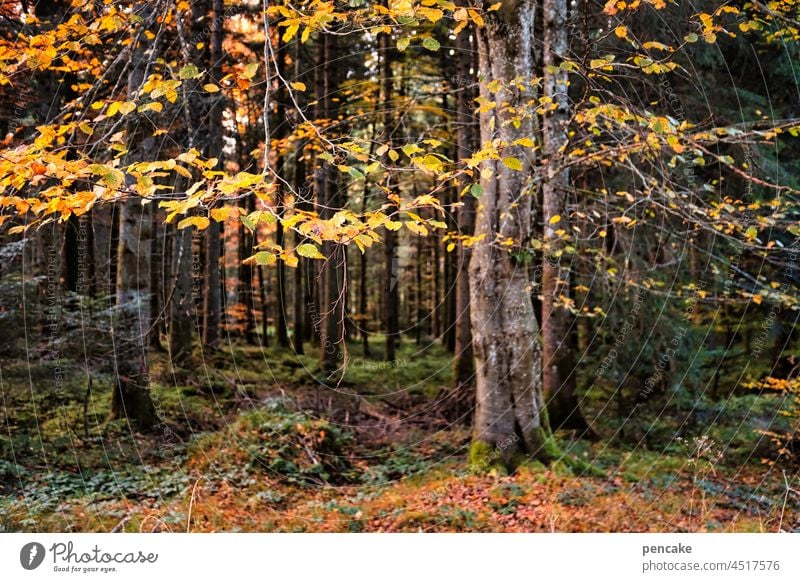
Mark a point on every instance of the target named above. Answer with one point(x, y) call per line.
point(484, 458)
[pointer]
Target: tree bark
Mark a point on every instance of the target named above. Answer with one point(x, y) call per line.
point(391, 291)
point(212, 312)
point(329, 199)
point(558, 373)
point(182, 303)
point(466, 144)
point(510, 418)
point(131, 399)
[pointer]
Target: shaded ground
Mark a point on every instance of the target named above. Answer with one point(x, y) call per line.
point(238, 453)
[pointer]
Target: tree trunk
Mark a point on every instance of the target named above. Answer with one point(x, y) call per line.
point(157, 320)
point(131, 399)
point(391, 292)
point(510, 417)
point(182, 303)
point(329, 199)
point(212, 311)
point(558, 373)
point(466, 144)
point(363, 305)
point(302, 266)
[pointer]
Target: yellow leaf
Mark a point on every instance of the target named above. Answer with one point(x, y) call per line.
point(290, 32)
point(262, 258)
point(298, 86)
point(417, 228)
point(525, 142)
point(310, 251)
point(152, 106)
point(201, 222)
point(290, 260)
point(221, 214)
point(476, 17)
point(127, 107)
point(210, 88)
point(513, 164)
point(392, 224)
point(555, 218)
point(250, 71)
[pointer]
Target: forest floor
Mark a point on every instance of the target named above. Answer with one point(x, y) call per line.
point(250, 442)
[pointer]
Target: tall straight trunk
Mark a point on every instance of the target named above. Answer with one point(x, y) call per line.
point(131, 399)
point(302, 266)
point(212, 311)
point(245, 276)
point(558, 372)
point(281, 331)
point(157, 319)
point(328, 198)
point(363, 302)
point(182, 302)
point(71, 253)
point(466, 142)
point(419, 312)
point(510, 416)
point(436, 307)
point(391, 291)
point(87, 272)
point(262, 292)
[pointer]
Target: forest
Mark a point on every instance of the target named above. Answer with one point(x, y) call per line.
point(399, 266)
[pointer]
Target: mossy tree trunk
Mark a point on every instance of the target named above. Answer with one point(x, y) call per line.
point(510, 418)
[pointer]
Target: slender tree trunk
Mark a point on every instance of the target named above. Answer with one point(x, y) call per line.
point(302, 265)
point(329, 199)
point(558, 373)
point(363, 304)
point(436, 307)
point(281, 330)
point(510, 417)
point(466, 142)
point(212, 312)
point(156, 285)
point(391, 291)
point(71, 252)
point(131, 399)
point(182, 302)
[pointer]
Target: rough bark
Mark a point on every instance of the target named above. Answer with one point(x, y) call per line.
point(131, 397)
point(182, 303)
point(212, 312)
point(329, 199)
point(281, 330)
point(510, 418)
point(391, 291)
point(302, 267)
point(558, 373)
point(466, 143)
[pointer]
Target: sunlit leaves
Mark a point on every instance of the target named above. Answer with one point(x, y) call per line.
point(189, 72)
point(431, 43)
point(309, 251)
point(200, 222)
